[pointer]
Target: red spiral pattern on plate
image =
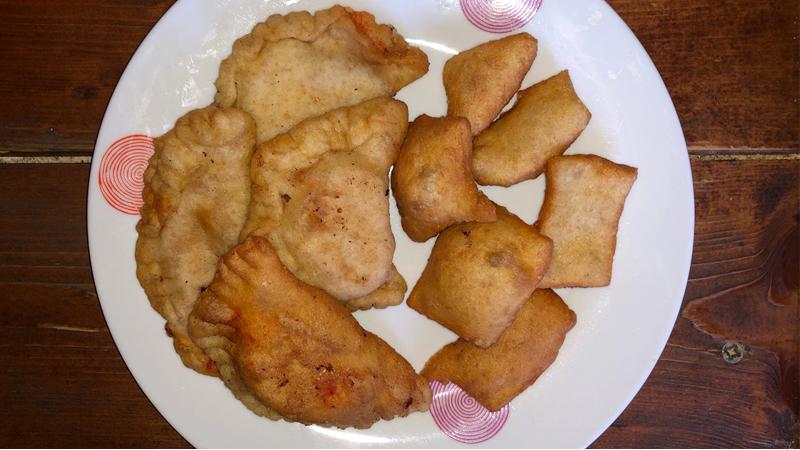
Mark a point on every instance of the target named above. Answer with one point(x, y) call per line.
point(461, 417)
point(499, 16)
point(122, 169)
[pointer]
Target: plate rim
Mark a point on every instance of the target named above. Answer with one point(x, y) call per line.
point(663, 92)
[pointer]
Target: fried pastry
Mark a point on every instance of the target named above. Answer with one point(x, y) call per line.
point(544, 122)
point(289, 350)
point(320, 195)
point(295, 66)
point(480, 274)
point(480, 81)
point(432, 179)
point(497, 374)
point(390, 293)
point(196, 192)
point(583, 202)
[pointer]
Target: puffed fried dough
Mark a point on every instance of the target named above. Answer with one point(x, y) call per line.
point(544, 122)
point(497, 374)
point(479, 275)
point(432, 179)
point(288, 350)
point(320, 195)
point(583, 202)
point(299, 65)
point(196, 191)
point(480, 81)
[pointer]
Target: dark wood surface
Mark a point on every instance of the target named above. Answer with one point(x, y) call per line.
point(732, 69)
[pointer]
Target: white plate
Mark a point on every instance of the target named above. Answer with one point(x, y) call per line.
point(621, 329)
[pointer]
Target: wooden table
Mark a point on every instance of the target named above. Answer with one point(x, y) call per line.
point(732, 69)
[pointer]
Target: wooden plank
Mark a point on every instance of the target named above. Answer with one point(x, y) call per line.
point(743, 287)
point(65, 384)
point(44, 214)
point(61, 64)
point(731, 67)
point(694, 400)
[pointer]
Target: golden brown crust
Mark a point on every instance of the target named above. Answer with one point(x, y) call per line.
point(495, 375)
point(390, 293)
point(195, 200)
point(295, 66)
point(320, 195)
point(582, 205)
point(432, 179)
point(479, 275)
point(480, 81)
point(544, 122)
point(288, 350)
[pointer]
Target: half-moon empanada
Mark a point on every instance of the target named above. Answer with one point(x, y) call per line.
point(300, 65)
point(196, 194)
point(289, 350)
point(321, 197)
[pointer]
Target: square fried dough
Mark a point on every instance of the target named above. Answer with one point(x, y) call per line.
point(432, 178)
point(544, 122)
point(480, 81)
point(495, 375)
point(480, 274)
point(582, 205)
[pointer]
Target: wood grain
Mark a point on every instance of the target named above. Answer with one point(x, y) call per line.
point(61, 62)
point(65, 384)
point(731, 67)
point(733, 70)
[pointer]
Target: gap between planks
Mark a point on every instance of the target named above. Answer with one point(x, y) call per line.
point(45, 159)
point(692, 156)
point(744, 156)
